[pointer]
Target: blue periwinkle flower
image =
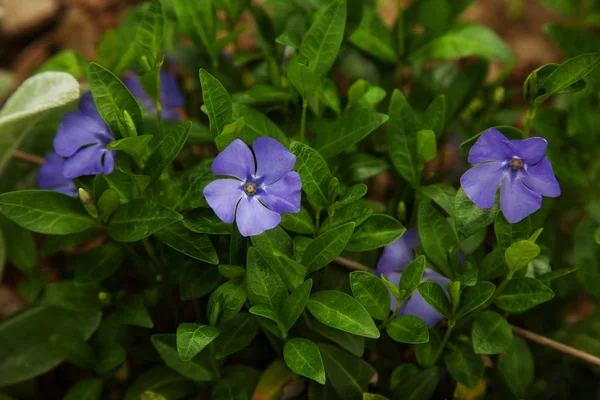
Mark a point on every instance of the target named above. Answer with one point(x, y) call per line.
point(50, 176)
point(171, 96)
point(521, 166)
point(258, 192)
point(395, 258)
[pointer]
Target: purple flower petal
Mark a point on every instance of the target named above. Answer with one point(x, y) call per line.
point(531, 150)
point(516, 200)
point(540, 178)
point(109, 161)
point(272, 158)
point(77, 130)
point(87, 161)
point(481, 182)
point(491, 146)
point(253, 218)
point(135, 87)
point(283, 196)
point(50, 176)
point(235, 160)
point(223, 196)
point(418, 307)
point(397, 255)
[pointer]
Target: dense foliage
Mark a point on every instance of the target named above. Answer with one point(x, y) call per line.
point(302, 220)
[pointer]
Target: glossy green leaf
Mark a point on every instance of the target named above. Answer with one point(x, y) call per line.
point(520, 254)
point(435, 296)
point(353, 194)
point(402, 138)
point(516, 367)
point(99, 263)
point(217, 102)
point(491, 333)
point(300, 222)
point(314, 173)
point(408, 329)
point(303, 357)
point(435, 116)
point(295, 303)
point(348, 374)
point(371, 292)
point(112, 98)
point(437, 236)
point(193, 338)
point(357, 212)
point(470, 218)
point(192, 244)
point(205, 221)
point(236, 334)
point(412, 275)
point(45, 211)
point(507, 233)
point(197, 369)
point(522, 294)
point(265, 286)
point(149, 36)
point(426, 145)
point(377, 231)
point(341, 311)
point(351, 343)
point(474, 296)
point(326, 247)
point(464, 365)
point(443, 195)
point(167, 150)
point(322, 42)
point(306, 82)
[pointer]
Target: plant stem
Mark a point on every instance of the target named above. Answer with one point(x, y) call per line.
point(529, 117)
point(303, 120)
point(31, 158)
point(161, 124)
point(451, 324)
point(317, 222)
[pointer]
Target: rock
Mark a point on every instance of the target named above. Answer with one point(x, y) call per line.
point(20, 16)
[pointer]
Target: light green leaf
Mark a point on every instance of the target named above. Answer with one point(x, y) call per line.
point(474, 296)
point(306, 82)
point(443, 195)
point(265, 286)
point(149, 36)
point(353, 194)
point(491, 333)
point(372, 293)
point(408, 329)
point(193, 338)
point(411, 276)
point(217, 102)
point(136, 146)
point(377, 231)
point(139, 219)
point(341, 311)
point(326, 247)
point(314, 173)
point(374, 37)
point(303, 357)
point(520, 254)
point(192, 244)
point(30, 103)
point(167, 150)
point(522, 294)
point(426, 145)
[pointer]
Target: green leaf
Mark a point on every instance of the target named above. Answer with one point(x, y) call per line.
point(27, 350)
point(167, 150)
point(465, 40)
point(408, 329)
point(197, 369)
point(491, 333)
point(205, 221)
point(31, 102)
point(149, 36)
point(136, 146)
point(443, 195)
point(356, 212)
point(567, 74)
point(426, 145)
point(435, 116)
point(353, 194)
point(295, 303)
point(373, 396)
point(19, 247)
point(474, 296)
point(351, 343)
point(571, 40)
point(139, 219)
point(507, 233)
point(198, 21)
point(306, 82)
point(322, 42)
point(348, 374)
point(402, 138)
point(230, 296)
point(265, 286)
point(521, 294)
point(192, 244)
point(112, 99)
point(314, 173)
point(198, 280)
point(236, 334)
point(373, 36)
point(326, 247)
point(303, 357)
point(99, 263)
point(149, 395)
point(338, 135)
point(464, 365)
point(193, 338)
point(411, 276)
point(265, 311)
point(72, 296)
point(470, 218)
point(45, 211)
point(263, 94)
point(437, 236)
point(516, 367)
point(85, 389)
point(232, 271)
point(520, 254)
point(377, 231)
point(273, 381)
point(420, 386)
point(131, 310)
point(300, 222)
point(162, 380)
point(372, 293)
point(340, 311)
point(217, 101)
point(435, 296)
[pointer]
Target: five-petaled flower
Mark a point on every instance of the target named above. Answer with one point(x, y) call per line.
point(50, 176)
point(171, 96)
point(262, 189)
point(520, 165)
point(81, 139)
point(395, 258)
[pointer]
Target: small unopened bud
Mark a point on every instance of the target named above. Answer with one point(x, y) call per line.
point(129, 125)
point(401, 211)
point(104, 297)
point(88, 203)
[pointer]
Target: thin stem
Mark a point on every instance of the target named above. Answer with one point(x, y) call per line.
point(317, 222)
point(352, 265)
point(391, 316)
point(451, 324)
point(303, 120)
point(161, 124)
point(31, 158)
point(529, 117)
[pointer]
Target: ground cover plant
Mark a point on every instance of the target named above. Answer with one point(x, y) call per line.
point(352, 211)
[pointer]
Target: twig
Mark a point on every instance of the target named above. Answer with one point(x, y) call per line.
point(553, 344)
point(533, 337)
point(32, 158)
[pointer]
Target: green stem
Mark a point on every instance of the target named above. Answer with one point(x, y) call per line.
point(317, 222)
point(303, 120)
point(390, 316)
point(451, 324)
point(161, 124)
point(529, 117)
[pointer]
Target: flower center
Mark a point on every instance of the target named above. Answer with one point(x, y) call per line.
point(250, 189)
point(516, 163)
